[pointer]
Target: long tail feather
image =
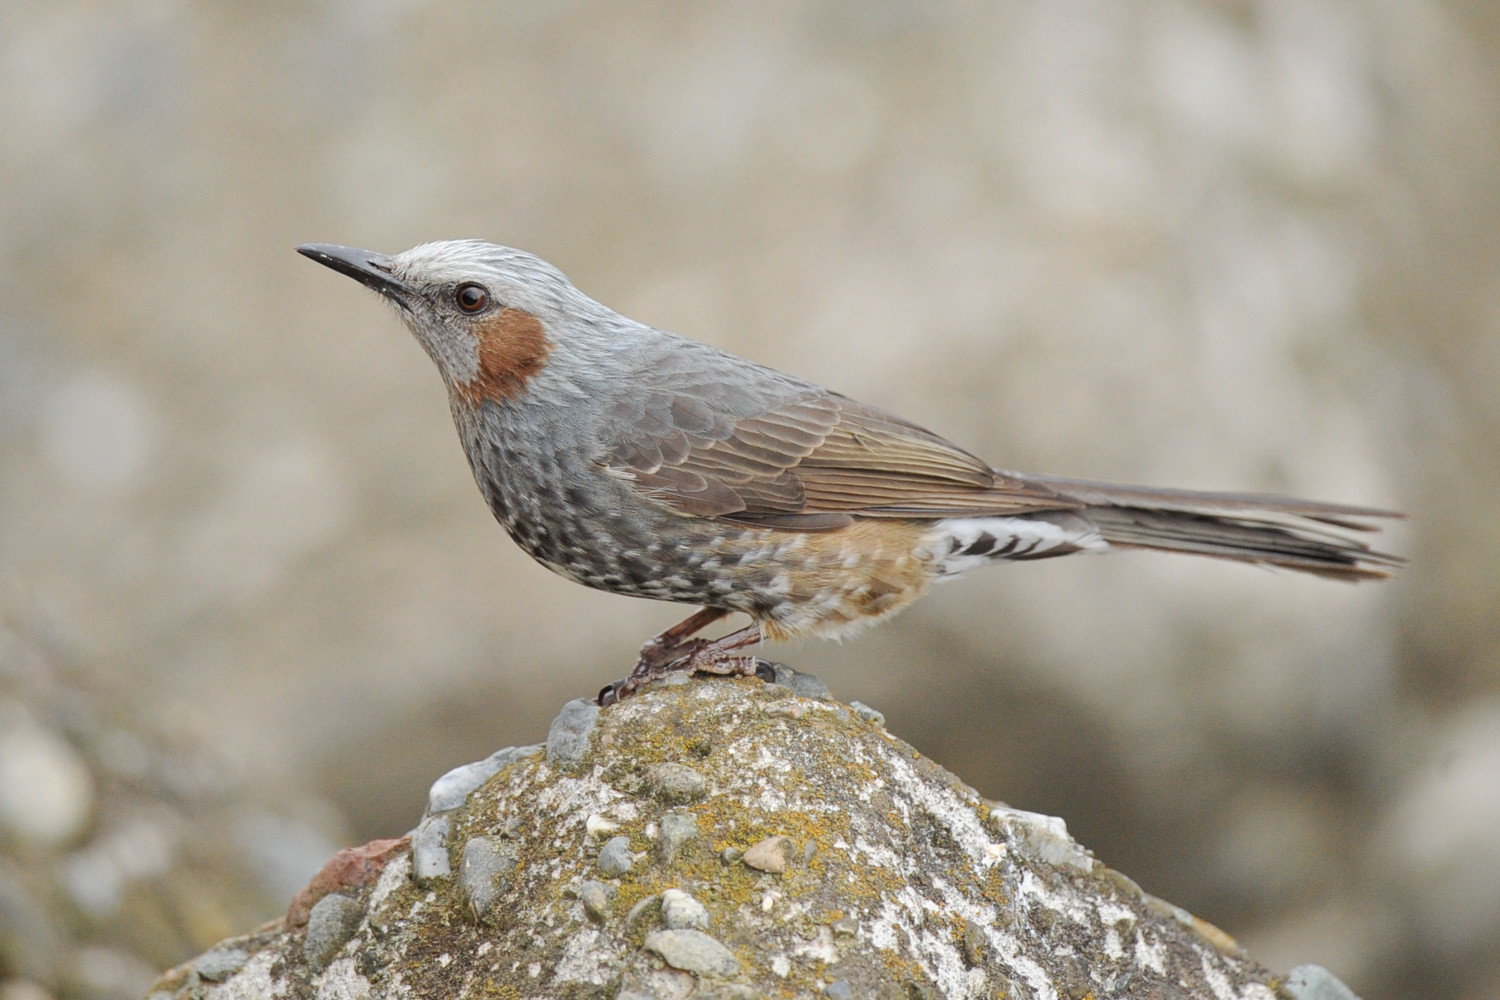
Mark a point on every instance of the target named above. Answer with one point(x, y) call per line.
point(1270, 535)
point(1249, 527)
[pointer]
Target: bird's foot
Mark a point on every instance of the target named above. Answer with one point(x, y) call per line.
point(661, 657)
point(730, 666)
point(698, 655)
point(657, 660)
point(733, 666)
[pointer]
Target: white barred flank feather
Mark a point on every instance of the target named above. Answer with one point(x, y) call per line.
point(963, 543)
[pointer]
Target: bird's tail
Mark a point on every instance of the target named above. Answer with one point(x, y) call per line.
point(1302, 535)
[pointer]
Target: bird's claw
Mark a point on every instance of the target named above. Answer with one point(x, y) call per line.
point(722, 666)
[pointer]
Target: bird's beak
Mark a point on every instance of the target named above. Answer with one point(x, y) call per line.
point(364, 266)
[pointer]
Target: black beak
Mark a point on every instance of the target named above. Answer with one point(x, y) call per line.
point(364, 266)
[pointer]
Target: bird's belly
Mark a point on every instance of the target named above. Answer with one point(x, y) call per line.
point(794, 583)
point(836, 583)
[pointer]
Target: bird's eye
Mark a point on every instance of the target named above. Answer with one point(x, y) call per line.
point(471, 297)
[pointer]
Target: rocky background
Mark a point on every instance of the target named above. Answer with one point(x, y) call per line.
point(1243, 244)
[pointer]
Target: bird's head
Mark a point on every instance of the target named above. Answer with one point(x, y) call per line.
point(486, 314)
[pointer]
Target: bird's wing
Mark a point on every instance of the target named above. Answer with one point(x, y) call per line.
point(805, 459)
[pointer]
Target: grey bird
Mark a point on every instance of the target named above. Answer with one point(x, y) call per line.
point(643, 463)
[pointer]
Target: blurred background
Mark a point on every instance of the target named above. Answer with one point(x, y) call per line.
point(252, 603)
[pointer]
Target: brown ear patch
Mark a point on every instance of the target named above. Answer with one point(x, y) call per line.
point(512, 348)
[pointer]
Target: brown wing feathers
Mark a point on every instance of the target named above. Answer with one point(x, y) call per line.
point(824, 455)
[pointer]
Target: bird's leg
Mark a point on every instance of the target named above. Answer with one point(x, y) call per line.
point(675, 650)
point(662, 654)
point(672, 644)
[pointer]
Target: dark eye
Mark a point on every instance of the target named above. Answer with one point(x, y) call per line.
point(471, 297)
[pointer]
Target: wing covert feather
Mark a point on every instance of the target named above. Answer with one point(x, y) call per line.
point(808, 460)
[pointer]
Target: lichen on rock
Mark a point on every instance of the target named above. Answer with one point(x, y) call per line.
point(875, 874)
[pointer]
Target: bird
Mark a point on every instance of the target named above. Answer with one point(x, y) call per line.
point(643, 463)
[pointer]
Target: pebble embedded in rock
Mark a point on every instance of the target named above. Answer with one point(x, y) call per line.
point(802, 685)
point(867, 713)
point(596, 824)
point(770, 855)
point(615, 858)
point(597, 898)
point(675, 784)
point(333, 921)
point(450, 791)
point(219, 964)
point(678, 831)
point(838, 990)
point(429, 849)
point(693, 951)
point(1046, 837)
point(1313, 982)
point(976, 945)
point(680, 911)
point(481, 873)
point(569, 736)
point(727, 991)
point(646, 909)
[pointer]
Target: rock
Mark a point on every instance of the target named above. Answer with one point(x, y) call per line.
point(333, 921)
point(126, 835)
point(46, 790)
point(615, 858)
point(481, 873)
point(349, 868)
point(675, 784)
point(867, 713)
point(770, 855)
point(1313, 982)
point(801, 684)
point(429, 849)
point(597, 898)
point(597, 824)
point(838, 990)
point(220, 963)
point(877, 908)
point(1045, 837)
point(726, 991)
point(678, 832)
point(570, 737)
point(645, 913)
point(693, 951)
point(976, 945)
point(680, 911)
point(450, 791)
